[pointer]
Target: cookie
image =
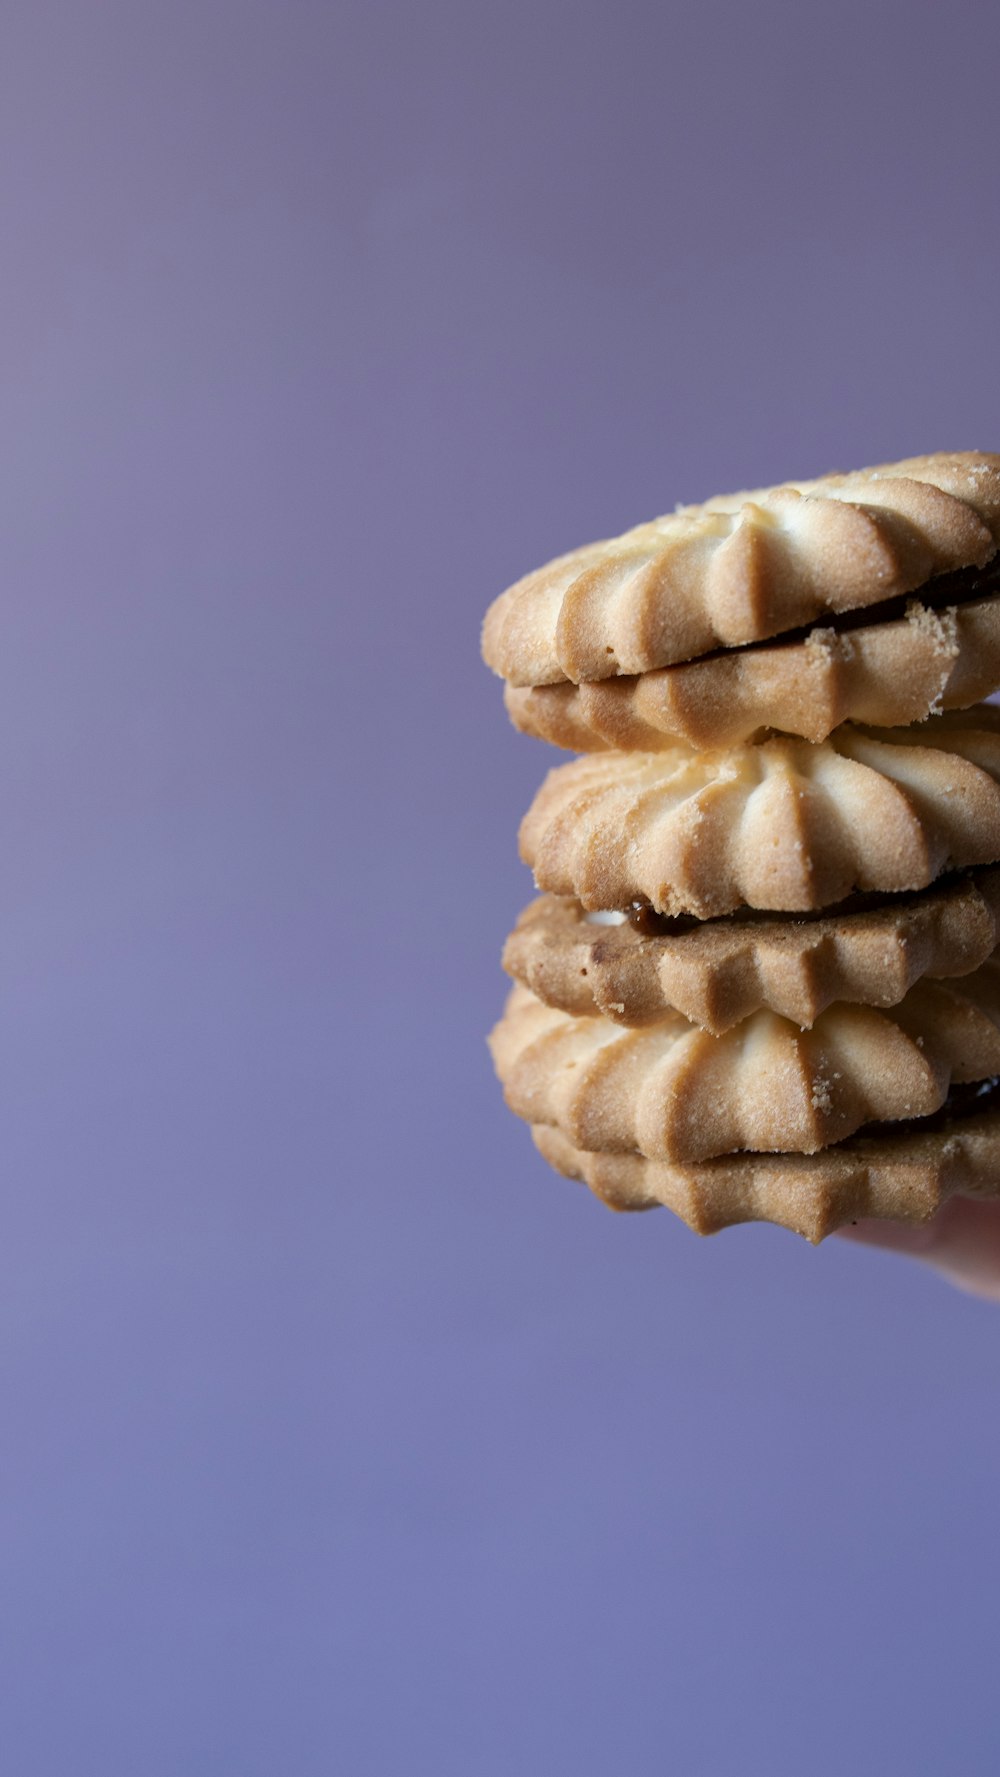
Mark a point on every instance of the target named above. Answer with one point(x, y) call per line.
point(745, 567)
point(905, 1177)
point(891, 673)
point(782, 825)
point(718, 972)
point(672, 1091)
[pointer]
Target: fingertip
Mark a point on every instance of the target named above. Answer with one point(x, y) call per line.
point(961, 1242)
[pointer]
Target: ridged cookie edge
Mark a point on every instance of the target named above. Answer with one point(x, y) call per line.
point(745, 567)
point(720, 972)
point(783, 825)
point(900, 1178)
point(889, 675)
point(672, 1091)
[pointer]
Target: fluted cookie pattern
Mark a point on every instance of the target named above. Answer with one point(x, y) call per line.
point(720, 972)
point(744, 567)
point(781, 825)
point(905, 1177)
point(890, 674)
point(672, 1091)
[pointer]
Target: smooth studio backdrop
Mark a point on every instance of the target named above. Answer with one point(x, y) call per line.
point(338, 1435)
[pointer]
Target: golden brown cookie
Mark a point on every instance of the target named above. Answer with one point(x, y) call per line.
point(905, 1177)
point(672, 1091)
point(783, 824)
point(890, 674)
point(744, 567)
point(718, 972)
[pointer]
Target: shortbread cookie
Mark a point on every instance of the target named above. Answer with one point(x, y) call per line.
point(905, 1177)
point(671, 1091)
point(718, 972)
point(783, 824)
point(889, 673)
point(744, 567)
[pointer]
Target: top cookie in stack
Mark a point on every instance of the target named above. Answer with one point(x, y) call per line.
point(744, 678)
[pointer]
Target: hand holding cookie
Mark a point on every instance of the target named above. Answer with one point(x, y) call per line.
point(763, 980)
point(961, 1242)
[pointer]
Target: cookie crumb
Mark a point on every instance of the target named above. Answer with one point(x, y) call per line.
point(822, 1099)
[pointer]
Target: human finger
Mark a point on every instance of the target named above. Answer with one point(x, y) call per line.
point(962, 1242)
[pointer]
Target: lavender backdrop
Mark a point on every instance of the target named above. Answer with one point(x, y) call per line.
point(339, 1435)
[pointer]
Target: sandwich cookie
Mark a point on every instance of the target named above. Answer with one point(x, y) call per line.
point(782, 825)
point(634, 967)
point(744, 567)
point(672, 1091)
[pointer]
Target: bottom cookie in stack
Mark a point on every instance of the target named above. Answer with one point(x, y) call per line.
point(904, 1174)
point(869, 1112)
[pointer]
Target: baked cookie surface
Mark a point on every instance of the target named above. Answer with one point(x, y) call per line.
point(763, 982)
point(781, 825)
point(672, 1091)
point(903, 1177)
point(718, 972)
point(743, 567)
point(930, 658)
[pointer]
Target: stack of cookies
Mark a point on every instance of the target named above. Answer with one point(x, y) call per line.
point(763, 979)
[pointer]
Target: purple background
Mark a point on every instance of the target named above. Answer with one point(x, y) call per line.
point(338, 1434)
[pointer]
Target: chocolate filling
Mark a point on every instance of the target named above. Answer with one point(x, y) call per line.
point(649, 924)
